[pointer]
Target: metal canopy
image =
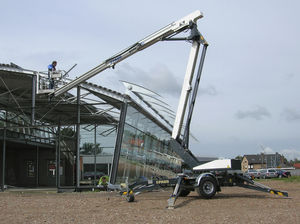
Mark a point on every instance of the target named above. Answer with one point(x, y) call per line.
point(16, 96)
point(114, 98)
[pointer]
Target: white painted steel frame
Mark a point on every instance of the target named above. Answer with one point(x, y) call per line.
point(186, 89)
point(171, 29)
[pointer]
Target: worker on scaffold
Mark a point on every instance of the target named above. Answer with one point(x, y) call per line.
point(51, 68)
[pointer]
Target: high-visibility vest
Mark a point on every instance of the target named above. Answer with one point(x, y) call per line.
point(101, 182)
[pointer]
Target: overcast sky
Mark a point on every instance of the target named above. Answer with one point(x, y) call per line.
point(249, 97)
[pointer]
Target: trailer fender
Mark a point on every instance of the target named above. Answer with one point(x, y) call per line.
point(198, 179)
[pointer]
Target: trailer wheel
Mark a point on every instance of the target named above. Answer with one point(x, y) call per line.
point(207, 187)
point(130, 197)
point(184, 193)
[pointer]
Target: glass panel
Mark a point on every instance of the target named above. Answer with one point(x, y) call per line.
point(96, 154)
point(145, 151)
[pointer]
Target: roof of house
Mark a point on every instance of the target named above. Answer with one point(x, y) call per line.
point(260, 158)
point(254, 159)
point(297, 165)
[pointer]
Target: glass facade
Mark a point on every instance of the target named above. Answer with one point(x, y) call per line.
point(96, 152)
point(145, 151)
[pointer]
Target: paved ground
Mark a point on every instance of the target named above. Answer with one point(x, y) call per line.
point(232, 205)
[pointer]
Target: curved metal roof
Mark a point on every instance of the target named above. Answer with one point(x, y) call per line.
point(16, 95)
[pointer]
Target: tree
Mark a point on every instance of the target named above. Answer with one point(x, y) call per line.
point(239, 157)
point(292, 162)
point(91, 148)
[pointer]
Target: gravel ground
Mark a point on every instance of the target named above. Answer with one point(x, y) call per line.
point(232, 205)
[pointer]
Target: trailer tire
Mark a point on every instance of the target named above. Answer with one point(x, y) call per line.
point(130, 198)
point(207, 187)
point(184, 193)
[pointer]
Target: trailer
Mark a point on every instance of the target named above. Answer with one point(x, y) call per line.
point(207, 179)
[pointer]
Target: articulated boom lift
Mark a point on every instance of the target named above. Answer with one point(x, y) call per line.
point(167, 33)
point(207, 178)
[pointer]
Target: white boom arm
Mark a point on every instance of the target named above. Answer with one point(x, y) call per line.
point(168, 31)
point(186, 89)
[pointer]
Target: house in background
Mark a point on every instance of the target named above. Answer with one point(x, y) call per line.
point(262, 161)
point(297, 165)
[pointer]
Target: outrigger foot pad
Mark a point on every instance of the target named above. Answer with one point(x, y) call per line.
point(171, 202)
point(280, 193)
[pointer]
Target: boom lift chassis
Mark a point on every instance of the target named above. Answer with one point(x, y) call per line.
point(206, 184)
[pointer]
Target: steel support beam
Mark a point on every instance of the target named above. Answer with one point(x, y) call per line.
point(117, 152)
point(3, 159)
point(37, 165)
point(78, 140)
point(95, 154)
point(33, 94)
point(58, 157)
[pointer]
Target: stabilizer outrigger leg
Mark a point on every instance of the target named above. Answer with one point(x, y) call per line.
point(250, 184)
point(175, 194)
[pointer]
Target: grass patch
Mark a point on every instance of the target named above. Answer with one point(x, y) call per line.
point(295, 179)
point(290, 179)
